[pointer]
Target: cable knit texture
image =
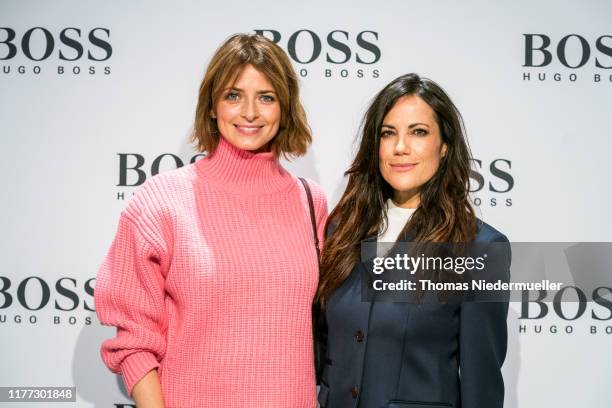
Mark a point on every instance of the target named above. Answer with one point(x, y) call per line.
point(210, 279)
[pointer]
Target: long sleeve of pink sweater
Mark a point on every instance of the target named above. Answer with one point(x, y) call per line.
point(210, 280)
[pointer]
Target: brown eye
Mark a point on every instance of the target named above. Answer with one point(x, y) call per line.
point(386, 133)
point(420, 132)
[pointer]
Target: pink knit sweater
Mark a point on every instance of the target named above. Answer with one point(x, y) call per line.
point(210, 279)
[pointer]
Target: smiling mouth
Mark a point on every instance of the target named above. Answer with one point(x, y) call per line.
point(248, 130)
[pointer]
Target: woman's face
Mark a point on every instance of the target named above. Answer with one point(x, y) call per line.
point(410, 148)
point(248, 112)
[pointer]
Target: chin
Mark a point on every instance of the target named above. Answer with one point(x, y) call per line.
point(402, 186)
point(255, 147)
point(246, 144)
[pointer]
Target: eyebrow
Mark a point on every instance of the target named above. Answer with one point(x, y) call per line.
point(233, 88)
point(412, 125)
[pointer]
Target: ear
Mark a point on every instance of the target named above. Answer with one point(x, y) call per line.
point(212, 114)
point(443, 150)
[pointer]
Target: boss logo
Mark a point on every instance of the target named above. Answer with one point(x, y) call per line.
point(599, 306)
point(565, 309)
point(494, 178)
point(340, 46)
point(134, 165)
point(559, 305)
point(34, 293)
point(571, 51)
point(347, 54)
point(500, 181)
point(579, 48)
point(69, 44)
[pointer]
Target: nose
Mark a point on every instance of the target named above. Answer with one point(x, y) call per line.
point(402, 146)
point(249, 110)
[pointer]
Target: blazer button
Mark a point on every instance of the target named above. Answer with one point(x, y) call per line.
point(354, 392)
point(359, 336)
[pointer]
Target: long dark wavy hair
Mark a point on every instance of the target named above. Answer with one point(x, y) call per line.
point(444, 214)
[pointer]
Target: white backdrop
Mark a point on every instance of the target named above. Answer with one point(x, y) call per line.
point(62, 136)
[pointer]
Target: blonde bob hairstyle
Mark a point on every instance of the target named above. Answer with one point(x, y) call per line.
point(294, 136)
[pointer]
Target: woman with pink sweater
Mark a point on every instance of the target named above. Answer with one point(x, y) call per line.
point(212, 272)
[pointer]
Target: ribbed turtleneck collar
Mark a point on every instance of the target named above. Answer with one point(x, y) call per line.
point(244, 172)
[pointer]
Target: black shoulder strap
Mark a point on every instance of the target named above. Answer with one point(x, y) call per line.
point(312, 217)
point(319, 325)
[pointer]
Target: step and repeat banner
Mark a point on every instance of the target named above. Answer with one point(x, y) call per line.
point(98, 96)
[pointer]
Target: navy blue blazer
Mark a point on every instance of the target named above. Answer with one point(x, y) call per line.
point(414, 355)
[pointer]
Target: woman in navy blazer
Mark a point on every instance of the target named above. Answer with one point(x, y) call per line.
point(408, 182)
